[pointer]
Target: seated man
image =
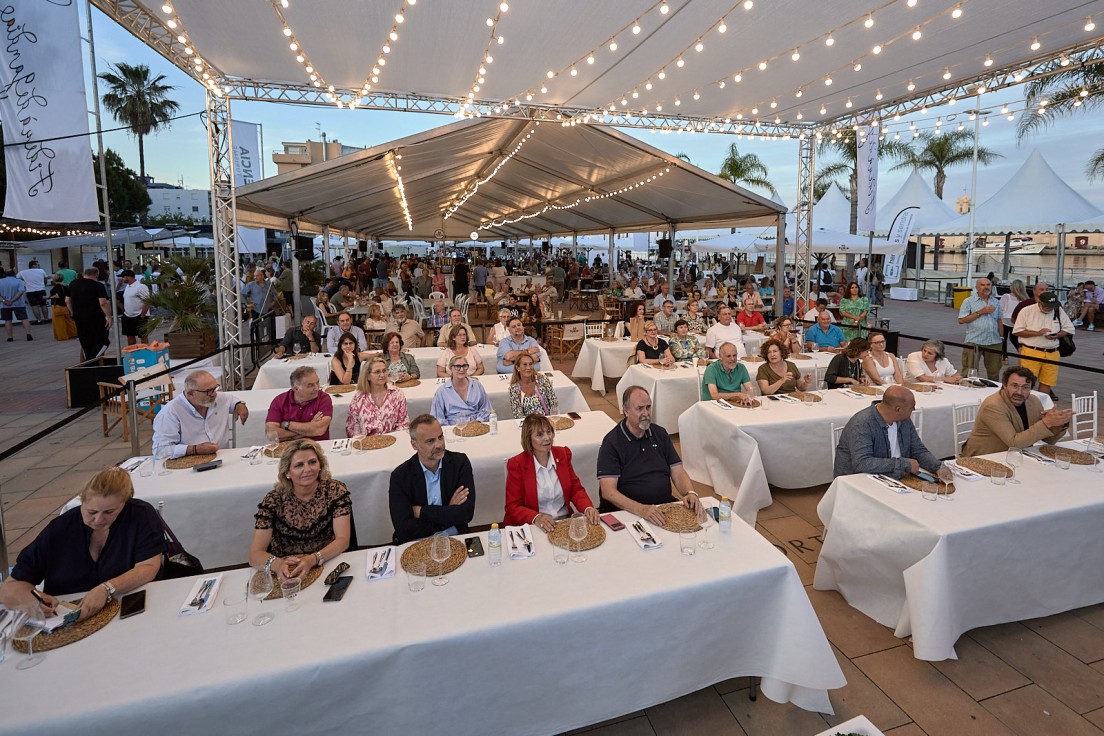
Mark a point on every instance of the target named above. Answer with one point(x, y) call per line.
point(345, 324)
point(724, 330)
point(814, 314)
point(456, 319)
point(343, 298)
point(306, 334)
point(750, 319)
point(662, 296)
point(637, 463)
point(196, 422)
point(727, 378)
point(634, 291)
point(882, 439)
point(1094, 297)
point(434, 490)
point(825, 335)
point(514, 344)
point(665, 320)
point(1014, 417)
point(787, 301)
point(409, 330)
point(303, 411)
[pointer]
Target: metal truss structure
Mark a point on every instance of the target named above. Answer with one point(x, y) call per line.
point(803, 211)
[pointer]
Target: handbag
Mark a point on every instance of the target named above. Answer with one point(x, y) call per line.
point(1066, 347)
point(176, 562)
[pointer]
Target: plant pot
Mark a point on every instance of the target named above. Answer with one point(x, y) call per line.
point(191, 344)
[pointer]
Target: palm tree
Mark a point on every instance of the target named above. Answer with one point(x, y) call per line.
point(940, 151)
point(848, 151)
point(1079, 88)
point(684, 157)
point(138, 102)
point(746, 168)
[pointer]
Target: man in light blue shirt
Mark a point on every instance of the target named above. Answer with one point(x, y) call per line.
point(514, 344)
point(663, 295)
point(981, 313)
point(196, 422)
point(825, 335)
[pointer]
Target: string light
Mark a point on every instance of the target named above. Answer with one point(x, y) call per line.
point(1090, 26)
point(475, 187)
point(393, 159)
point(957, 12)
point(1035, 44)
point(481, 73)
point(392, 36)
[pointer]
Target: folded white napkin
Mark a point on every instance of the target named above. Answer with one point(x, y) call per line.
point(964, 473)
point(339, 445)
point(642, 540)
point(787, 398)
point(208, 598)
point(133, 463)
point(388, 555)
point(516, 537)
point(723, 404)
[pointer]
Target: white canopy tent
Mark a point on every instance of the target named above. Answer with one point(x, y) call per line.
point(915, 192)
point(842, 243)
point(832, 211)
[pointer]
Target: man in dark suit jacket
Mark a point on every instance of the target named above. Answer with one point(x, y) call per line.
point(434, 490)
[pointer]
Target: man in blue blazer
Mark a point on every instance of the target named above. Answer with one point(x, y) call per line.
point(434, 490)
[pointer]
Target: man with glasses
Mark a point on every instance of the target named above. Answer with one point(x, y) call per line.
point(460, 398)
point(197, 422)
point(1014, 417)
point(345, 324)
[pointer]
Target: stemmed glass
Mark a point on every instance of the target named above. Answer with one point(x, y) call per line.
point(296, 348)
point(577, 530)
point(1015, 458)
point(462, 419)
point(163, 455)
point(31, 627)
point(260, 585)
point(272, 442)
point(707, 523)
point(358, 443)
point(439, 549)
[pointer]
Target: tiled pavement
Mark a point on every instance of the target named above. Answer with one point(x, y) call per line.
point(1043, 676)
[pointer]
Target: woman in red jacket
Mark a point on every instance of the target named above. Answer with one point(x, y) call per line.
point(541, 485)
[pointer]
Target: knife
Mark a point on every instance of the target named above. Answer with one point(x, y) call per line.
point(1038, 456)
point(891, 483)
point(525, 541)
point(643, 531)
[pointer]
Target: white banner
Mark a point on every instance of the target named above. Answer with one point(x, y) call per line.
point(247, 152)
point(899, 233)
point(867, 162)
point(42, 102)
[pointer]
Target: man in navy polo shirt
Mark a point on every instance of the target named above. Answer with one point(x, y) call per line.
point(637, 463)
point(304, 411)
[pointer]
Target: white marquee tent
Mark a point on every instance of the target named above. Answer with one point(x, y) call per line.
point(915, 192)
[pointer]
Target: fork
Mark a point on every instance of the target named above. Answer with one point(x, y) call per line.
point(199, 597)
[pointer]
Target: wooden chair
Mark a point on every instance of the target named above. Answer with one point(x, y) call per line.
point(567, 338)
point(115, 404)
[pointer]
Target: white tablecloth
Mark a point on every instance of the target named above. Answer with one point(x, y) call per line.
point(936, 569)
point(276, 373)
point(456, 659)
point(418, 401)
point(598, 359)
point(212, 512)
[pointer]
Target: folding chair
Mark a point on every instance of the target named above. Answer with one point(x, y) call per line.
point(1084, 417)
point(150, 395)
point(568, 338)
point(962, 421)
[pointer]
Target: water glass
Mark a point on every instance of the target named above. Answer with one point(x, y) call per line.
point(256, 456)
point(145, 470)
point(808, 400)
point(290, 589)
point(559, 554)
point(998, 476)
point(32, 626)
point(1062, 458)
point(358, 443)
point(416, 577)
point(234, 606)
point(929, 491)
point(688, 542)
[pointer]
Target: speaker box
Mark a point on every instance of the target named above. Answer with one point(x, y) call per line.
point(362, 246)
point(664, 245)
point(546, 246)
point(304, 247)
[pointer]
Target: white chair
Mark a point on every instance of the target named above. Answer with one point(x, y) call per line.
point(701, 381)
point(918, 422)
point(962, 420)
point(596, 329)
point(463, 301)
point(438, 295)
point(837, 430)
point(1084, 417)
point(419, 308)
point(619, 330)
point(820, 373)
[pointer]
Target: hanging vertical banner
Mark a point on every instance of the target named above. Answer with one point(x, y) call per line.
point(44, 109)
point(247, 151)
point(867, 164)
point(899, 233)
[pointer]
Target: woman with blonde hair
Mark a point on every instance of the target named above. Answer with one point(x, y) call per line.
point(530, 391)
point(376, 407)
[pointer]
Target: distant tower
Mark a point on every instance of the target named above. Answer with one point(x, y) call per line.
point(963, 204)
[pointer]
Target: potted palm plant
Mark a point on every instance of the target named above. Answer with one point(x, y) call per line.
point(183, 303)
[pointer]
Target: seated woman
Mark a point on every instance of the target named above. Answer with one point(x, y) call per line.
point(846, 368)
point(930, 364)
point(460, 399)
point(541, 499)
point(785, 333)
point(881, 367)
point(376, 408)
point(323, 300)
point(458, 348)
point(778, 375)
point(375, 319)
point(111, 544)
point(400, 366)
point(345, 364)
point(534, 312)
point(695, 320)
point(501, 328)
point(305, 520)
point(530, 391)
point(636, 322)
point(652, 349)
point(439, 282)
point(683, 345)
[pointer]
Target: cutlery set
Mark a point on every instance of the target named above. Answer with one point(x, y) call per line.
point(204, 593)
point(379, 562)
point(643, 534)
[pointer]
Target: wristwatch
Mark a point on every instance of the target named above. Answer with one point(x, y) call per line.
point(109, 588)
point(286, 425)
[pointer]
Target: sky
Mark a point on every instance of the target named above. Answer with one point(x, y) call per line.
point(179, 154)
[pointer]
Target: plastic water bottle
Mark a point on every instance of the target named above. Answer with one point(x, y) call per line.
point(725, 520)
point(494, 546)
point(494, 422)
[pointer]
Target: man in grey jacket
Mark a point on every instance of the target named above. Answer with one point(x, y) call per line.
point(882, 439)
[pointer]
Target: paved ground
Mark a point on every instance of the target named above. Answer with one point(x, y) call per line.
point(1031, 677)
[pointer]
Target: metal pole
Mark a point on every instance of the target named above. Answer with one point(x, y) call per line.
point(671, 261)
point(973, 193)
point(132, 401)
point(612, 259)
point(3, 547)
point(780, 265)
point(1060, 261)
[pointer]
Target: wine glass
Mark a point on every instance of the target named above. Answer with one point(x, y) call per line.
point(260, 585)
point(1014, 458)
point(163, 454)
point(462, 419)
point(272, 443)
point(358, 443)
point(296, 348)
point(577, 530)
point(707, 523)
point(440, 548)
point(32, 626)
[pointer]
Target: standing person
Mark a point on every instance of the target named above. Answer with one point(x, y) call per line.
point(1039, 326)
point(479, 279)
point(135, 306)
point(14, 305)
point(259, 295)
point(88, 301)
point(559, 276)
point(460, 274)
point(64, 328)
point(981, 313)
point(35, 279)
point(853, 310)
point(284, 284)
point(1016, 294)
point(68, 275)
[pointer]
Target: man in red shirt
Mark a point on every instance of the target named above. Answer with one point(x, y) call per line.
point(304, 411)
point(749, 319)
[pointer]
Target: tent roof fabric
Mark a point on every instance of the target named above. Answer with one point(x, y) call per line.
point(833, 210)
point(915, 192)
point(511, 170)
point(121, 236)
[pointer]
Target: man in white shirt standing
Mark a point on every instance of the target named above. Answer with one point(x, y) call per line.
point(35, 279)
point(725, 330)
point(1038, 326)
point(135, 307)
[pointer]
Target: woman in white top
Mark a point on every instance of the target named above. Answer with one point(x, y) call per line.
point(458, 348)
point(375, 320)
point(1017, 293)
point(501, 329)
point(930, 365)
point(881, 368)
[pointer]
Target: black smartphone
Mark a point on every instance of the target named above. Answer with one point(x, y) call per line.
point(475, 546)
point(337, 590)
point(574, 415)
point(132, 604)
point(207, 466)
point(612, 522)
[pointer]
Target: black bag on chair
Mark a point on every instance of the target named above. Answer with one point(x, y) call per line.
point(176, 562)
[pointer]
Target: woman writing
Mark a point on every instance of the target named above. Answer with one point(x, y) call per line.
point(376, 408)
point(541, 485)
point(305, 520)
point(531, 392)
point(882, 368)
point(111, 544)
point(853, 310)
point(930, 364)
point(777, 375)
point(846, 368)
point(400, 366)
point(653, 349)
point(683, 345)
point(345, 365)
point(458, 348)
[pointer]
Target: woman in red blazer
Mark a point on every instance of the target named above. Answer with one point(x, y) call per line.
point(522, 503)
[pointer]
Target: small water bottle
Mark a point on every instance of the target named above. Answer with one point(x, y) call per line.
point(494, 545)
point(725, 515)
point(494, 422)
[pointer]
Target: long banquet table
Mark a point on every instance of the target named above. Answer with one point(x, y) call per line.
point(936, 569)
point(212, 512)
point(454, 660)
point(418, 401)
point(276, 372)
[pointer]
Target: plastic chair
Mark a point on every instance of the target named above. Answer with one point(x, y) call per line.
point(438, 295)
point(962, 420)
point(837, 431)
point(701, 381)
point(1084, 416)
point(596, 329)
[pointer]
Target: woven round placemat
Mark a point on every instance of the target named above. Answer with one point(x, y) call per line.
point(753, 404)
point(341, 388)
point(419, 553)
point(278, 452)
point(678, 518)
point(1076, 456)
point(297, 356)
point(472, 429)
point(188, 461)
point(611, 339)
point(375, 442)
point(867, 390)
point(917, 484)
point(800, 356)
point(313, 574)
point(561, 423)
point(73, 632)
point(921, 388)
point(754, 359)
point(801, 396)
point(981, 466)
point(409, 383)
point(560, 537)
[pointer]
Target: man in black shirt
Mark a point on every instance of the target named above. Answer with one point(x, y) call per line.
point(637, 463)
point(91, 311)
